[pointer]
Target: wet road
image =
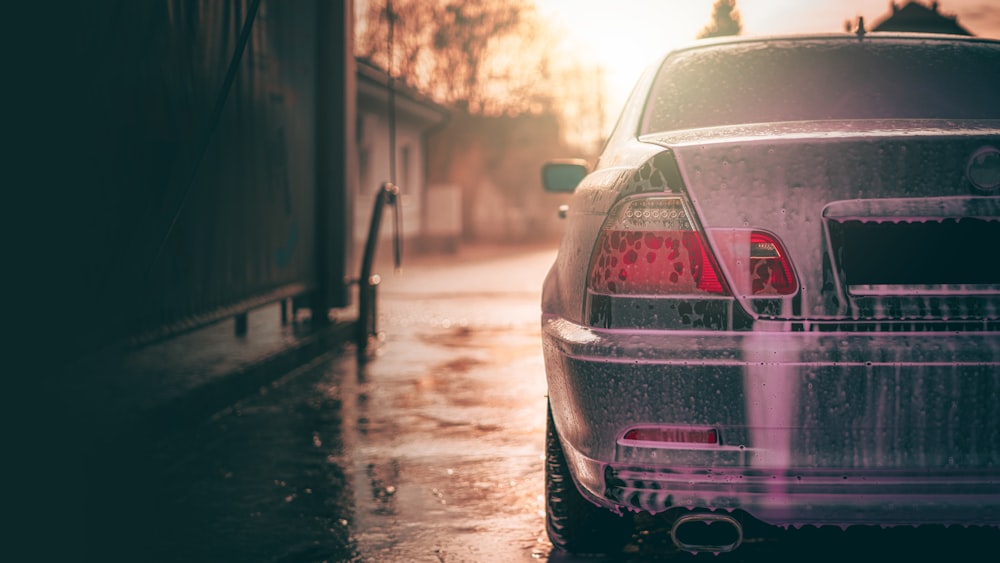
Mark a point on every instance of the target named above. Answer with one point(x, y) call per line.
point(453, 415)
point(431, 451)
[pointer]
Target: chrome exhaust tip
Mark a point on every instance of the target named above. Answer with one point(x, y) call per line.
point(706, 532)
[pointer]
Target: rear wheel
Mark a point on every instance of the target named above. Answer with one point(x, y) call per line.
point(573, 523)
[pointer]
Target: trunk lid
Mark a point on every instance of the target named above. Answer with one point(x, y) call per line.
point(878, 218)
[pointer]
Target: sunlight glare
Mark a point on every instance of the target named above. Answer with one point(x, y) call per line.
point(623, 37)
point(626, 36)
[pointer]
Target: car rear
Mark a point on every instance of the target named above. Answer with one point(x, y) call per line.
point(798, 318)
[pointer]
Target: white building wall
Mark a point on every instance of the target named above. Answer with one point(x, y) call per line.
point(373, 171)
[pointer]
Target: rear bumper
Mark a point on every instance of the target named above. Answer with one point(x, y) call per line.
point(810, 496)
point(833, 428)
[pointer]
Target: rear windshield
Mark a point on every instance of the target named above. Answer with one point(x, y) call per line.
point(821, 80)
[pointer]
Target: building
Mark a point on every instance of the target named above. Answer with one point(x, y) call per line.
point(491, 165)
point(413, 118)
point(463, 177)
point(917, 17)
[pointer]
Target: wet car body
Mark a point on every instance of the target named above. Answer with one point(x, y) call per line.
point(790, 309)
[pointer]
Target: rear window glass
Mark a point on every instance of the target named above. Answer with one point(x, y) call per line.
point(822, 80)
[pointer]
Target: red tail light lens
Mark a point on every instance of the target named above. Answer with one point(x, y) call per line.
point(770, 271)
point(649, 247)
point(757, 264)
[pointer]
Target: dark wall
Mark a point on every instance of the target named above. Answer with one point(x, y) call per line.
point(156, 206)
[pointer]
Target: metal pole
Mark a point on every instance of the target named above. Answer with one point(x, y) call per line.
point(368, 282)
point(335, 94)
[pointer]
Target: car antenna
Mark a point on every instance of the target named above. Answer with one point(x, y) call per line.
point(861, 28)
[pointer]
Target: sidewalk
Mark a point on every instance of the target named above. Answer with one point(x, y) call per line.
point(188, 378)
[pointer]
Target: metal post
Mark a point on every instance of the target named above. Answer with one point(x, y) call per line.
point(241, 324)
point(335, 153)
point(368, 282)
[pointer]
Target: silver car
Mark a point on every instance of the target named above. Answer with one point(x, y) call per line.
point(777, 297)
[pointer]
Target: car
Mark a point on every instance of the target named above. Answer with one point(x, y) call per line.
point(777, 295)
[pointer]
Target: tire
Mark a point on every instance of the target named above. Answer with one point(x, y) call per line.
point(573, 523)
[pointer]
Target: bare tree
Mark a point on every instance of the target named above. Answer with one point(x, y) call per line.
point(725, 20)
point(488, 57)
point(411, 24)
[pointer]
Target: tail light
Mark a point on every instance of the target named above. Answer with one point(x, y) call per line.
point(756, 262)
point(771, 273)
point(650, 246)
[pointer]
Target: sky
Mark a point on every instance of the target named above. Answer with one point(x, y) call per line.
point(625, 36)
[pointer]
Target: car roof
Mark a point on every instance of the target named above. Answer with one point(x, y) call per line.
point(842, 37)
point(875, 36)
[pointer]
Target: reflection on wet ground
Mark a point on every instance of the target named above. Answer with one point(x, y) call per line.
point(457, 421)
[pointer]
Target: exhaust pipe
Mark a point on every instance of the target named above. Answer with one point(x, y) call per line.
point(706, 531)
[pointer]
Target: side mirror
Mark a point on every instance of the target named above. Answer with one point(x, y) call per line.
point(563, 175)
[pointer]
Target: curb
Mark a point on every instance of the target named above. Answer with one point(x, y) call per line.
point(222, 391)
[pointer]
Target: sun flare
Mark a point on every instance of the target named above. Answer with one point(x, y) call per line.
point(621, 43)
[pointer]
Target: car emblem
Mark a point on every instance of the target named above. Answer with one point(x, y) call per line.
point(983, 169)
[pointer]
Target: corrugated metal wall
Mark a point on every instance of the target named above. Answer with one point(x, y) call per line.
point(245, 228)
point(181, 213)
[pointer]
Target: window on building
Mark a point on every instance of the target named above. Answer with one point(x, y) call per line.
point(365, 169)
point(405, 176)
